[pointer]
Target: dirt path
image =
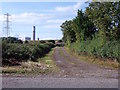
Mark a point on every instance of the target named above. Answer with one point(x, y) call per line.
point(73, 73)
point(71, 66)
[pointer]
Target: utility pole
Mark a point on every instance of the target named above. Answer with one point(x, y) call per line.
point(7, 24)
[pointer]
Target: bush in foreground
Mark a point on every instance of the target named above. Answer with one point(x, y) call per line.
point(24, 52)
point(92, 47)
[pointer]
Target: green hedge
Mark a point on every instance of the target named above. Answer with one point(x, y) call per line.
point(11, 40)
point(110, 49)
point(23, 52)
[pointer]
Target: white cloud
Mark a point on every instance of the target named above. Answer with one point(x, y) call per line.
point(67, 9)
point(30, 18)
point(1, 18)
point(55, 21)
point(51, 26)
point(50, 19)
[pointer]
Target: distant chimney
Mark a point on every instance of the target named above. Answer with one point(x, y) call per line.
point(33, 32)
point(38, 39)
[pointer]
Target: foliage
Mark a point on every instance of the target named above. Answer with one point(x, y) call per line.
point(96, 31)
point(24, 52)
point(26, 41)
point(107, 19)
point(92, 47)
point(51, 41)
point(42, 41)
point(59, 41)
point(68, 33)
point(78, 29)
point(11, 40)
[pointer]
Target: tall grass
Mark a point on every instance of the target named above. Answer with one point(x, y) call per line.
point(111, 49)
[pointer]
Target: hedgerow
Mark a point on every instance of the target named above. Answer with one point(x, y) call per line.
point(23, 52)
point(92, 47)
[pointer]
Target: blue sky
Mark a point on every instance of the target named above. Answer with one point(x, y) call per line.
point(46, 16)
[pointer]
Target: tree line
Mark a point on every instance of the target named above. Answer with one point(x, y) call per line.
point(96, 31)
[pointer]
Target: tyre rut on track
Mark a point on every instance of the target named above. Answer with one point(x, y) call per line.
point(71, 66)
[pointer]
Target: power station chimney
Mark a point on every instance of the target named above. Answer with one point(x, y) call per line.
point(33, 32)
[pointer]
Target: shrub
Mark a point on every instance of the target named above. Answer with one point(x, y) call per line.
point(42, 41)
point(24, 52)
point(51, 41)
point(11, 40)
point(26, 41)
point(60, 41)
point(92, 47)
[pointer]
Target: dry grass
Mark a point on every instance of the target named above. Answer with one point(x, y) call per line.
point(102, 62)
point(42, 66)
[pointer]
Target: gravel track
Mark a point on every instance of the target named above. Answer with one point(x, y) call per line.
point(74, 67)
point(73, 73)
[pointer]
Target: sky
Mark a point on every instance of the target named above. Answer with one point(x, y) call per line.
point(46, 16)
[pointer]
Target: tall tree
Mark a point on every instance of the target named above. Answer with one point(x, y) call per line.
point(78, 25)
point(106, 17)
point(68, 33)
point(83, 27)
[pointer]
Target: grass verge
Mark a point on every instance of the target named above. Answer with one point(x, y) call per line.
point(106, 63)
point(43, 65)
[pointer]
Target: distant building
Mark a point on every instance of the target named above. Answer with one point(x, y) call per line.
point(27, 38)
point(23, 38)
